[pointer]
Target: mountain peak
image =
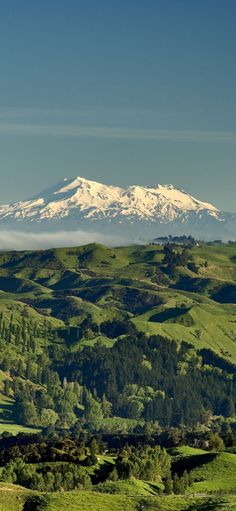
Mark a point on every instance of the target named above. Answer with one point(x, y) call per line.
point(81, 201)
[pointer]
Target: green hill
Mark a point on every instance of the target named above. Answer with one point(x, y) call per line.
point(16, 499)
point(212, 472)
point(160, 318)
point(196, 303)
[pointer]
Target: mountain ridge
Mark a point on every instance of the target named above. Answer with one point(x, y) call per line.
point(84, 203)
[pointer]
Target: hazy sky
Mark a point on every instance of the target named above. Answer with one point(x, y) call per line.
point(124, 92)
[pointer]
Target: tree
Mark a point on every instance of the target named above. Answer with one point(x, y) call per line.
point(94, 447)
point(178, 486)
point(113, 476)
point(169, 255)
point(227, 407)
point(106, 406)
point(181, 482)
point(168, 484)
point(144, 462)
point(216, 443)
point(7, 387)
point(26, 413)
point(37, 482)
point(48, 417)
point(93, 409)
point(49, 481)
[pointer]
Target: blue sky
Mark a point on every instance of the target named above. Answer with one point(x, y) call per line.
point(122, 92)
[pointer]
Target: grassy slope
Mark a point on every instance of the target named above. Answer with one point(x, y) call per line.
point(88, 501)
point(212, 472)
point(12, 499)
point(217, 475)
point(71, 284)
point(131, 487)
point(120, 283)
point(204, 324)
point(7, 422)
point(19, 309)
point(215, 471)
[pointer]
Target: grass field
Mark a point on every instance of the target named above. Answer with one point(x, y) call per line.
point(12, 498)
point(7, 421)
point(122, 503)
point(198, 320)
point(214, 489)
point(17, 500)
point(130, 487)
point(218, 475)
point(212, 472)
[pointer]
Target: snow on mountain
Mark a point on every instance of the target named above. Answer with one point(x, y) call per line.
point(95, 201)
point(137, 212)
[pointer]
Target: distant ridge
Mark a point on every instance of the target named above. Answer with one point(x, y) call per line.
point(85, 204)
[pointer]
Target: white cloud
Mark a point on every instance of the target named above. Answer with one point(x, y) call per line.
point(18, 240)
point(76, 131)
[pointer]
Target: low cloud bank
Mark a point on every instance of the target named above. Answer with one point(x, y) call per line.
point(18, 240)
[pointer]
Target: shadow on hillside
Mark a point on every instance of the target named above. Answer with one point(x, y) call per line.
point(191, 462)
point(6, 413)
point(153, 490)
point(224, 294)
point(194, 285)
point(35, 503)
point(208, 505)
point(170, 313)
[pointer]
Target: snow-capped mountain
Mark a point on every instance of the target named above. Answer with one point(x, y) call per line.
point(81, 203)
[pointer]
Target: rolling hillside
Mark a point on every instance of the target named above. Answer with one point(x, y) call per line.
point(115, 342)
point(56, 303)
point(196, 304)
